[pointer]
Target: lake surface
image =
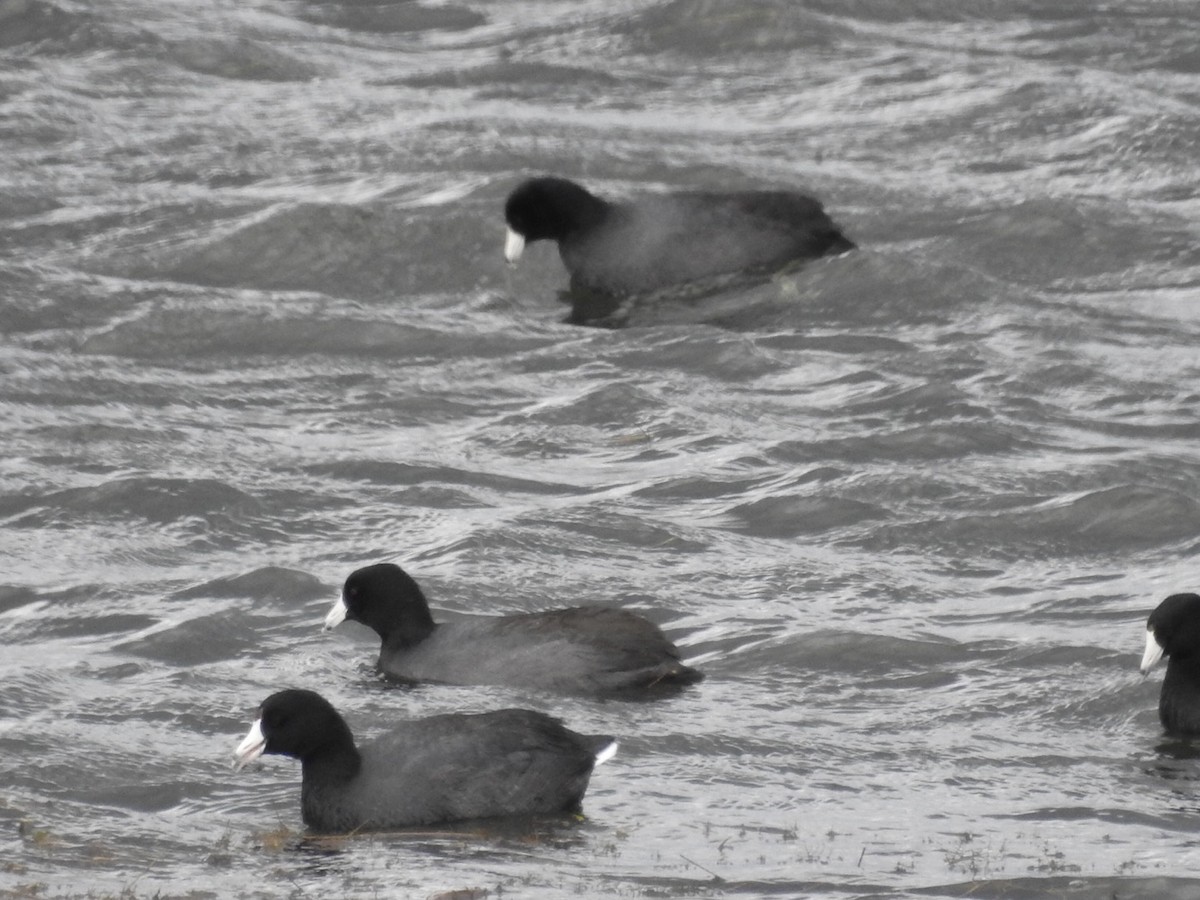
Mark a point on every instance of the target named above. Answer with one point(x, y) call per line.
point(908, 508)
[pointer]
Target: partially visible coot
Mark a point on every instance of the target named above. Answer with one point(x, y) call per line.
point(442, 769)
point(581, 650)
point(1173, 631)
point(616, 250)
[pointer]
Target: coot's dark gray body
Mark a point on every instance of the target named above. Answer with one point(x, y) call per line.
point(581, 650)
point(654, 242)
point(441, 769)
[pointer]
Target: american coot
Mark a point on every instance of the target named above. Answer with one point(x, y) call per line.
point(1173, 631)
point(583, 650)
point(656, 241)
point(441, 769)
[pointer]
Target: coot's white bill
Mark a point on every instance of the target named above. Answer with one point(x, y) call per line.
point(514, 246)
point(251, 747)
point(336, 615)
point(1153, 654)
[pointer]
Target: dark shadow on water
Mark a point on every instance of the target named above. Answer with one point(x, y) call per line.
point(852, 290)
point(1179, 749)
point(480, 839)
point(377, 680)
point(694, 302)
point(1064, 886)
point(1178, 762)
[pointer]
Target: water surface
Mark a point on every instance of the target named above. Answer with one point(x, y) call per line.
point(908, 507)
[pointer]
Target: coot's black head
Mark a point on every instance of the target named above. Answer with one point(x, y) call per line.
point(548, 208)
point(295, 723)
point(1173, 630)
point(386, 599)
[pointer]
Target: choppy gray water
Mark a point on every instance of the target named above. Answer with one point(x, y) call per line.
point(908, 507)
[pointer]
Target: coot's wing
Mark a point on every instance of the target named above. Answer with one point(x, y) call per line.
point(580, 650)
point(446, 768)
point(604, 649)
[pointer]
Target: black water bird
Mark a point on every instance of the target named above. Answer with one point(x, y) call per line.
point(579, 650)
point(513, 762)
point(617, 249)
point(1173, 631)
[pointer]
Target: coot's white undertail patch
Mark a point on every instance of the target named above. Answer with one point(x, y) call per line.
point(604, 754)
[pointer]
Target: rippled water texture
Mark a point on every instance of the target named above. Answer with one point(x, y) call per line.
point(908, 507)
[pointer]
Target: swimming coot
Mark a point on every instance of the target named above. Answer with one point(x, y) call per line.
point(582, 650)
point(656, 241)
point(1173, 631)
point(440, 769)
